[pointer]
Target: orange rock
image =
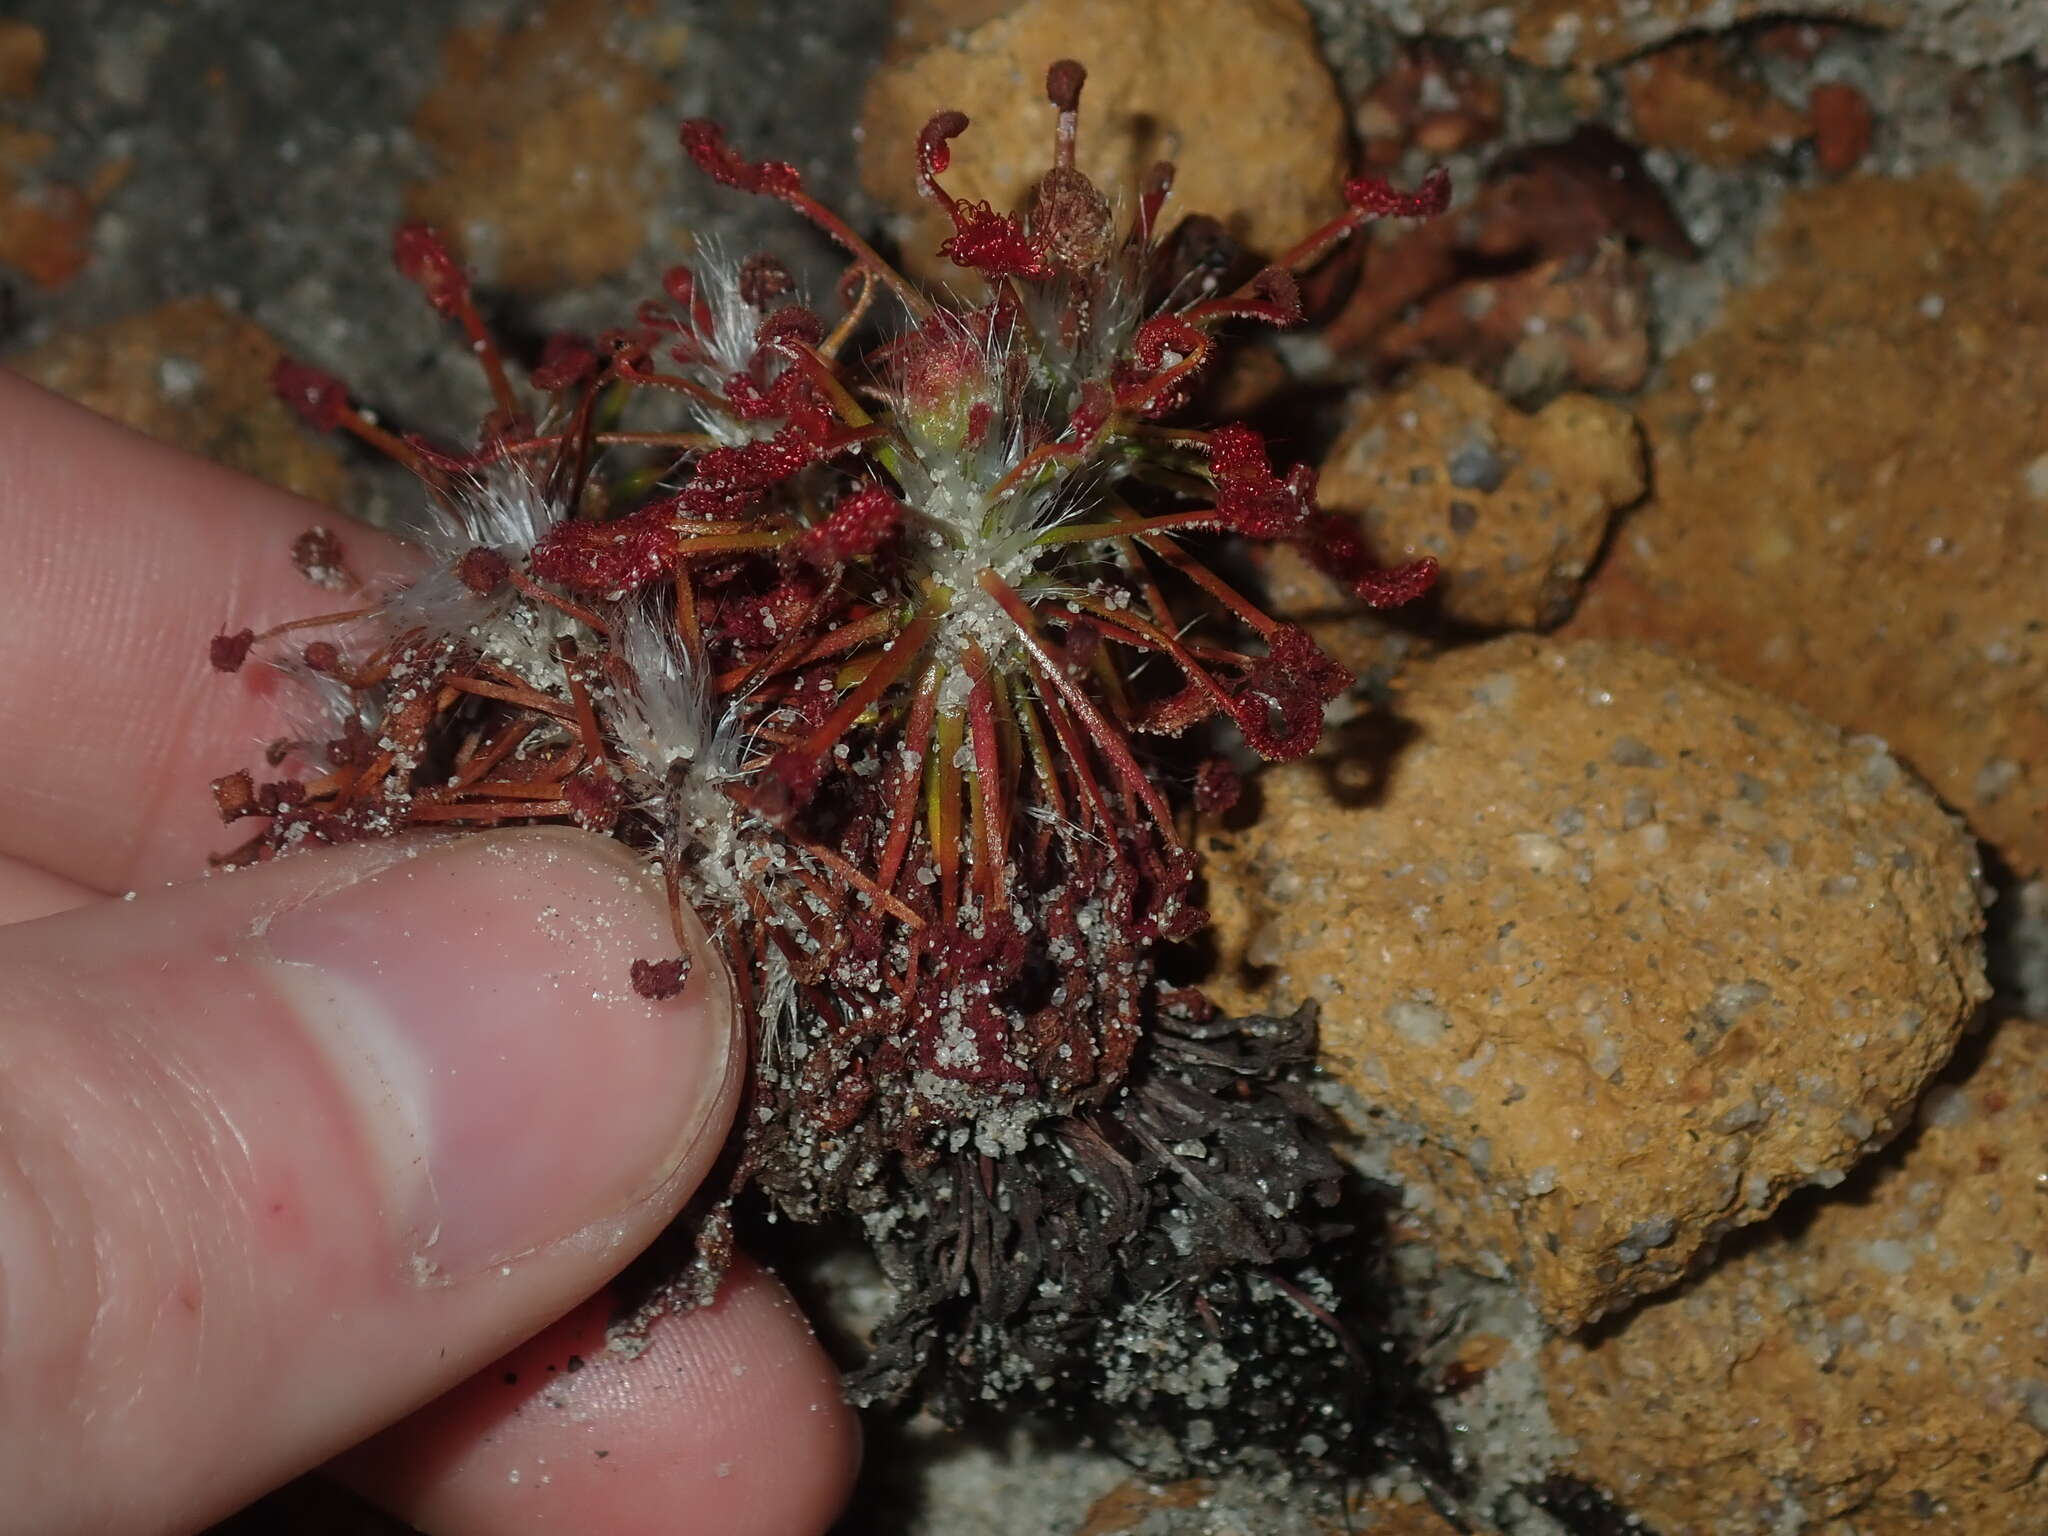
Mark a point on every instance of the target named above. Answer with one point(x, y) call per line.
point(1800, 41)
point(1850, 489)
point(1615, 954)
point(45, 231)
point(1126, 1507)
point(195, 374)
point(543, 183)
point(1559, 303)
point(21, 150)
point(1367, 642)
point(1196, 1507)
point(22, 52)
point(1874, 1368)
point(1842, 126)
point(1592, 33)
point(1513, 506)
point(1476, 1354)
point(1556, 324)
point(1234, 92)
point(1433, 98)
point(1687, 98)
point(918, 24)
point(45, 226)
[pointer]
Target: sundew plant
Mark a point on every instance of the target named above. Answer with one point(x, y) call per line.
point(883, 631)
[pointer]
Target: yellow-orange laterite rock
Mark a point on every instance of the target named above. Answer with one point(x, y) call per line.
point(1235, 92)
point(1615, 953)
point(1877, 1367)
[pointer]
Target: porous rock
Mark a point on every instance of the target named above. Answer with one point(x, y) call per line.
point(1200, 1507)
point(1513, 506)
point(1689, 98)
point(536, 128)
point(1843, 125)
point(1589, 33)
point(1129, 1506)
point(1877, 1367)
point(915, 25)
point(1234, 92)
point(1368, 642)
point(197, 375)
point(1617, 953)
point(1851, 489)
point(46, 225)
point(23, 50)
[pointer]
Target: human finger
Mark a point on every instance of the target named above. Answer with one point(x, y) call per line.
point(729, 1421)
point(124, 558)
point(286, 1153)
point(27, 892)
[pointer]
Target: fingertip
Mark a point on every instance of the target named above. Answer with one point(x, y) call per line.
point(125, 556)
point(289, 1152)
point(442, 986)
point(28, 892)
point(732, 1412)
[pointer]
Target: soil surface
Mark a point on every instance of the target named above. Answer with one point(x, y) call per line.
point(1770, 300)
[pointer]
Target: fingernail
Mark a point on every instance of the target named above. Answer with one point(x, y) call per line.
point(477, 997)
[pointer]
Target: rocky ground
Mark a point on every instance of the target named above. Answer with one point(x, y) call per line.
point(1667, 887)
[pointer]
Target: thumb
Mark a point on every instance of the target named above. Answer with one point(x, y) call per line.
point(285, 1153)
